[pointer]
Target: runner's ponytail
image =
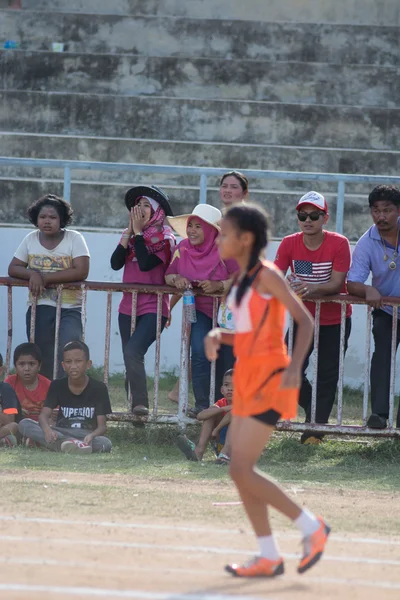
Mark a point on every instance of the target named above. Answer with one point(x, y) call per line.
point(249, 217)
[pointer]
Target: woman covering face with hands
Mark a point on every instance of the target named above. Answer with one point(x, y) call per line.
point(145, 250)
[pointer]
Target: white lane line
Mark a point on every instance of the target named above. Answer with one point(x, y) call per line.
point(109, 593)
point(71, 564)
point(194, 549)
point(391, 585)
point(191, 529)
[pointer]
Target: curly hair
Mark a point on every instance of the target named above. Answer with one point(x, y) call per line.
point(250, 217)
point(62, 207)
point(389, 193)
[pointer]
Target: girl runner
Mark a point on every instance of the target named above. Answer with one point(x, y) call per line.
point(266, 385)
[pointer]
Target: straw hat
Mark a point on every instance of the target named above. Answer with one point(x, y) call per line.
point(205, 212)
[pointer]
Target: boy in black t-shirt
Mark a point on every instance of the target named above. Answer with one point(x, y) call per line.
point(83, 405)
point(9, 412)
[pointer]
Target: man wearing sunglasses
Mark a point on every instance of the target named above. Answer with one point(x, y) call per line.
point(319, 261)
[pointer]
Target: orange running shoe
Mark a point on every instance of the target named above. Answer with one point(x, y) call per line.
point(314, 546)
point(258, 567)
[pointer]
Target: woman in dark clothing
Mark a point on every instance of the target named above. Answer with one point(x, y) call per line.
point(145, 251)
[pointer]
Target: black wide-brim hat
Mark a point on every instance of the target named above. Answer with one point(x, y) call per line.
point(153, 192)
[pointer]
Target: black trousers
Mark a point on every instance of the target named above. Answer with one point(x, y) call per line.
point(380, 363)
point(328, 371)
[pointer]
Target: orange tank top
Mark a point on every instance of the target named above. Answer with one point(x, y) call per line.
point(259, 322)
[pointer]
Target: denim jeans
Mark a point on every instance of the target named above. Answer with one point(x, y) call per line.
point(201, 367)
point(134, 348)
point(45, 326)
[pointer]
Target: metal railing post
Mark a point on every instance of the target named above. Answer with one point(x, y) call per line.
point(184, 370)
point(367, 365)
point(340, 207)
point(341, 362)
point(393, 366)
point(57, 332)
point(315, 369)
point(9, 329)
point(158, 354)
point(67, 184)
point(213, 366)
point(203, 189)
point(107, 338)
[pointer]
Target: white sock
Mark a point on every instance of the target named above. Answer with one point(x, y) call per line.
point(268, 547)
point(307, 522)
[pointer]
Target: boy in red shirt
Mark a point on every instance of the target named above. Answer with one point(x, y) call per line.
point(319, 261)
point(30, 387)
point(215, 423)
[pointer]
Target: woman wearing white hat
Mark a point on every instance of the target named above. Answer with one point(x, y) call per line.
point(196, 261)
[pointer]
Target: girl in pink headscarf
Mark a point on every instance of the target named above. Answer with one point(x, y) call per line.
point(196, 262)
point(145, 250)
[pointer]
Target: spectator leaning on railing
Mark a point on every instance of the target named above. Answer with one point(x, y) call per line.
point(144, 251)
point(319, 261)
point(196, 263)
point(52, 254)
point(377, 252)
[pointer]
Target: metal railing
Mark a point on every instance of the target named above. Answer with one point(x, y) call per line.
point(180, 418)
point(341, 179)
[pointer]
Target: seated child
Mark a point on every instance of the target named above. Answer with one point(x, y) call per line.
point(30, 387)
point(215, 423)
point(83, 406)
point(9, 413)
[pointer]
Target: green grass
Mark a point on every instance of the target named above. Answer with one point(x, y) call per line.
point(150, 452)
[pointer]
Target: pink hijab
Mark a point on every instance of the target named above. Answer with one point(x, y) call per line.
point(202, 262)
point(157, 234)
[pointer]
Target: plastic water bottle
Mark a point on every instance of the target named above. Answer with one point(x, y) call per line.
point(189, 306)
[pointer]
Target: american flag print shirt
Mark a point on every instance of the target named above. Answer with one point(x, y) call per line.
point(313, 272)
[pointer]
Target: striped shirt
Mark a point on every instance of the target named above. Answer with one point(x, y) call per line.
point(316, 266)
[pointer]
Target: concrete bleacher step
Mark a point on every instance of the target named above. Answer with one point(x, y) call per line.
point(199, 120)
point(224, 155)
point(349, 11)
point(210, 38)
point(293, 82)
point(97, 205)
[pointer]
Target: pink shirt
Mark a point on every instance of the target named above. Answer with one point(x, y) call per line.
point(146, 303)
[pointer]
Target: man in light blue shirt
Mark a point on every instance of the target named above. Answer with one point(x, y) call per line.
point(377, 252)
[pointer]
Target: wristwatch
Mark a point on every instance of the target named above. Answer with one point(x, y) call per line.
point(140, 233)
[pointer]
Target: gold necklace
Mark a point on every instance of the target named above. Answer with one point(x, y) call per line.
point(392, 264)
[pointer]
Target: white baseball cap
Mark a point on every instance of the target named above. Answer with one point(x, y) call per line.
point(315, 199)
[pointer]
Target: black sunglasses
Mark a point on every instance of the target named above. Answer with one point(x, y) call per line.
point(314, 216)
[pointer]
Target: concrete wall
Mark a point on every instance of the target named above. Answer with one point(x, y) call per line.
point(227, 155)
point(195, 120)
point(371, 12)
point(289, 82)
point(193, 38)
point(101, 246)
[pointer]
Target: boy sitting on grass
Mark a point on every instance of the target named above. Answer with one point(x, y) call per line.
point(83, 406)
point(30, 387)
point(9, 412)
point(215, 424)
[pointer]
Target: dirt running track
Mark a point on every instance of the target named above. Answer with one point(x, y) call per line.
point(53, 554)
